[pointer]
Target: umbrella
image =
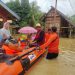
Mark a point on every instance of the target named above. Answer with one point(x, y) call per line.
point(27, 30)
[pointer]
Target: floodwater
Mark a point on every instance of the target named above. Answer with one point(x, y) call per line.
point(63, 65)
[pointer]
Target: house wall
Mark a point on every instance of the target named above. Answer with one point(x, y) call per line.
point(51, 21)
point(63, 26)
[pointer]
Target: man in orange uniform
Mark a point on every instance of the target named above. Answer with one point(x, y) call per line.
point(52, 43)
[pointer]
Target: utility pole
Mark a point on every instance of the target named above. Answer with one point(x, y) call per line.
point(55, 13)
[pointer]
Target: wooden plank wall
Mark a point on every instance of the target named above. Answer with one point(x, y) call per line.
point(49, 21)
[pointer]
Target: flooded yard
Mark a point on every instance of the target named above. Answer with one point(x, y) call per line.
point(67, 44)
point(63, 65)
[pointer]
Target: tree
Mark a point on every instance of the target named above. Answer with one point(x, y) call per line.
point(22, 9)
point(29, 13)
point(25, 9)
point(73, 18)
point(35, 13)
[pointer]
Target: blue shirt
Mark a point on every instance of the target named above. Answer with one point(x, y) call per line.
point(1, 38)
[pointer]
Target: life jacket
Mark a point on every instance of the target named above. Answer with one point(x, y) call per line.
point(53, 46)
point(22, 44)
point(37, 37)
point(52, 43)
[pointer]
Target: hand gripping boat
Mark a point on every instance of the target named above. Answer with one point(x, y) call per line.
point(20, 63)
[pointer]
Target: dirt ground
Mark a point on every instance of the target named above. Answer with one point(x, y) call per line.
point(63, 65)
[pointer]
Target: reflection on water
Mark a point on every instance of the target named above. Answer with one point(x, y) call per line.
point(63, 65)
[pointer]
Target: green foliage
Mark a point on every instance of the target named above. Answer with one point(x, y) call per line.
point(73, 18)
point(29, 13)
point(23, 23)
point(35, 12)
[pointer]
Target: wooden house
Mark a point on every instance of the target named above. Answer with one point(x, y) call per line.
point(64, 25)
point(7, 14)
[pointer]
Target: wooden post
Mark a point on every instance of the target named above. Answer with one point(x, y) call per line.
point(70, 33)
point(55, 13)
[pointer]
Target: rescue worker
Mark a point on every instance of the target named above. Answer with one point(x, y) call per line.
point(40, 36)
point(52, 44)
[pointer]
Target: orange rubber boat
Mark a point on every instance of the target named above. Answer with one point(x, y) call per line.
point(20, 63)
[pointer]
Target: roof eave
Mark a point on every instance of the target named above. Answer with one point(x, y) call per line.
point(10, 11)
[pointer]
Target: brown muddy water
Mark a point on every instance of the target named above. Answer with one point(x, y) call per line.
point(63, 65)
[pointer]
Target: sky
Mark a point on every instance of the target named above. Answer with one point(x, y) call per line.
point(65, 6)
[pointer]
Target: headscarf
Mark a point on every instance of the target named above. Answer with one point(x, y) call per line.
point(6, 25)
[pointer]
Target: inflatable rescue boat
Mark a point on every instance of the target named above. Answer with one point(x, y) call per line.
point(22, 62)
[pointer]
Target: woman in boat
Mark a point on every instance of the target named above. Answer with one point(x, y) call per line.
point(52, 44)
point(5, 30)
point(2, 40)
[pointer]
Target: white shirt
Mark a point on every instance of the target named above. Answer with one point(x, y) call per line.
point(6, 32)
point(1, 33)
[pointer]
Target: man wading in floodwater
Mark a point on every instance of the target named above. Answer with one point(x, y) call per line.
point(52, 43)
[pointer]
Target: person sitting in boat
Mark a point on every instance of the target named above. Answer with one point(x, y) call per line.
point(40, 36)
point(23, 40)
point(2, 40)
point(2, 51)
point(33, 36)
point(5, 30)
point(1, 44)
point(12, 47)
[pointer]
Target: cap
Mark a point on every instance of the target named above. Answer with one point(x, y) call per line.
point(38, 25)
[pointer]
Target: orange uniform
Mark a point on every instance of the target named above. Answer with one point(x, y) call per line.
point(47, 35)
point(52, 43)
